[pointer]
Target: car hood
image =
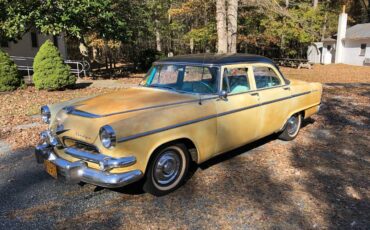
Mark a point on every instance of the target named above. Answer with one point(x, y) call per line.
point(82, 119)
point(129, 100)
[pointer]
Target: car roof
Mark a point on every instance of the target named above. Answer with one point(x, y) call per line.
point(216, 59)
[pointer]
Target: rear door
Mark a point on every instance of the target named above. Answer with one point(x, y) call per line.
point(274, 95)
point(238, 119)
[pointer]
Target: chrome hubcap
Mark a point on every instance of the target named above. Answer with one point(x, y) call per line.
point(292, 125)
point(167, 167)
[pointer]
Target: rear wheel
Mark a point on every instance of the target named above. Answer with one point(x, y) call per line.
point(167, 170)
point(291, 128)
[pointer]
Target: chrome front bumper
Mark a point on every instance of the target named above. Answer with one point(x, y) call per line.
point(79, 171)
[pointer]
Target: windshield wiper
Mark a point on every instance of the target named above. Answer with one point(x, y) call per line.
point(163, 86)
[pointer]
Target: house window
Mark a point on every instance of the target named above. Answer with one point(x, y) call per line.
point(4, 43)
point(34, 41)
point(363, 49)
point(55, 41)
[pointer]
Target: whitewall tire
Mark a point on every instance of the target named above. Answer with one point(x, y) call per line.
point(167, 169)
point(291, 128)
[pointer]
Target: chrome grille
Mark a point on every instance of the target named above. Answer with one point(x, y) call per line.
point(69, 142)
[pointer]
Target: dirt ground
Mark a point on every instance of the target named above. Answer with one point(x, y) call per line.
point(318, 181)
point(335, 73)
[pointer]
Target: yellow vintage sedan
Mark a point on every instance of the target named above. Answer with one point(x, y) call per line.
point(187, 109)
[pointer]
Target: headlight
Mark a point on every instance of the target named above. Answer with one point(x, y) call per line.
point(107, 136)
point(45, 114)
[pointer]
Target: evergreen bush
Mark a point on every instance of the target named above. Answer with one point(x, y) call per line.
point(50, 71)
point(9, 77)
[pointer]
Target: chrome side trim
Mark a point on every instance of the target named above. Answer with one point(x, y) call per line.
point(123, 139)
point(105, 162)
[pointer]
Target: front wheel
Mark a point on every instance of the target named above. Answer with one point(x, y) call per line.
point(291, 128)
point(167, 170)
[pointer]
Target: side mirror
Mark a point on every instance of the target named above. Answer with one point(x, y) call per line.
point(223, 94)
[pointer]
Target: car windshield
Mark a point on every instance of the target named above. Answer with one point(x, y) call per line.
point(183, 78)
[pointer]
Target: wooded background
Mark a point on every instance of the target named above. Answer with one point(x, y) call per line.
point(130, 29)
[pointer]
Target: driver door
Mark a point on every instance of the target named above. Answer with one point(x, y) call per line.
point(238, 114)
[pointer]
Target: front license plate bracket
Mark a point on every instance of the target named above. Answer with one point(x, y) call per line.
point(51, 169)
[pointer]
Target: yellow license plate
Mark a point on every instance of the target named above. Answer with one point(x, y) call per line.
point(51, 169)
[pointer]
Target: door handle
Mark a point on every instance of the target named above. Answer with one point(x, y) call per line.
point(255, 94)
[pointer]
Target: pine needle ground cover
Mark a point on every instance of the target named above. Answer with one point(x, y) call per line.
point(318, 181)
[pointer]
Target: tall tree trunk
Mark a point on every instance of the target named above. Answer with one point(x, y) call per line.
point(191, 45)
point(158, 36)
point(221, 26)
point(286, 3)
point(232, 24)
point(315, 3)
point(368, 11)
point(324, 26)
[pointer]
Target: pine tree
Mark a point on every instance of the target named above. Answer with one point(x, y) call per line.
point(50, 71)
point(9, 77)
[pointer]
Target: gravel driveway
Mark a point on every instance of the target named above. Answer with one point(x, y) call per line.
point(320, 180)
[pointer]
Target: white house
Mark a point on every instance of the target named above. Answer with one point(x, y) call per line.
point(30, 43)
point(349, 46)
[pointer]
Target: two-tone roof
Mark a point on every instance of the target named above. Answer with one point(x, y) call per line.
point(217, 59)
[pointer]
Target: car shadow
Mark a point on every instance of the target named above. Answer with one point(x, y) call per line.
point(136, 188)
point(246, 148)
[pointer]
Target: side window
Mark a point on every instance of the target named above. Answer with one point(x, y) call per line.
point(265, 77)
point(235, 80)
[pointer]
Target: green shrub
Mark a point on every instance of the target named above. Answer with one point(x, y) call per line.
point(9, 77)
point(50, 71)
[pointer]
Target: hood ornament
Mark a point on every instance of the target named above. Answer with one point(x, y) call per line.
point(69, 109)
point(74, 111)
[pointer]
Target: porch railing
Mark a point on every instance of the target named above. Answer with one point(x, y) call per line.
point(26, 64)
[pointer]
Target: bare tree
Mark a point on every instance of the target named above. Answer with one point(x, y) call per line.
point(366, 14)
point(324, 26)
point(232, 25)
point(315, 3)
point(221, 26)
point(158, 38)
point(368, 11)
